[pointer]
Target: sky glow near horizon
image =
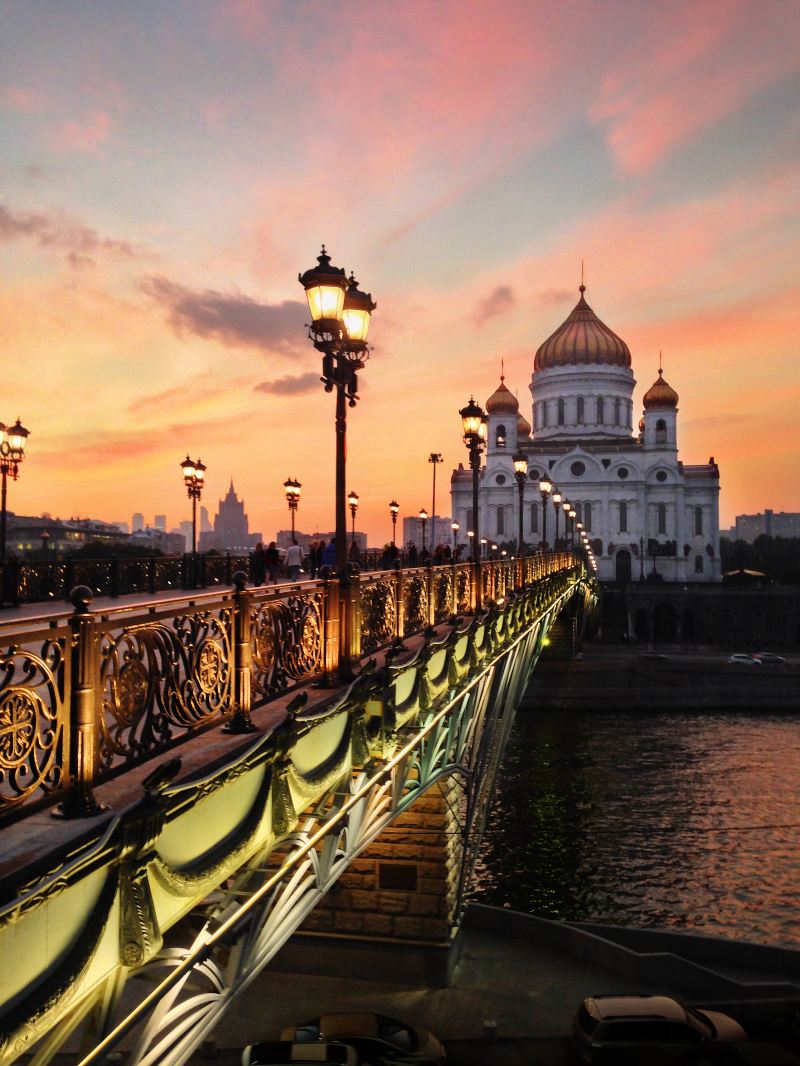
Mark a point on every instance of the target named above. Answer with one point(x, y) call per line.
point(170, 168)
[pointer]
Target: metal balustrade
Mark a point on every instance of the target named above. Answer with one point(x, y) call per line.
point(84, 698)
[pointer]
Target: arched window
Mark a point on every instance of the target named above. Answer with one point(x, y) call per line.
point(500, 436)
point(630, 414)
point(623, 517)
point(544, 412)
point(698, 564)
point(580, 410)
point(661, 512)
point(587, 517)
point(501, 521)
point(537, 416)
point(561, 412)
point(600, 415)
point(535, 517)
point(698, 521)
point(578, 512)
point(616, 412)
point(661, 431)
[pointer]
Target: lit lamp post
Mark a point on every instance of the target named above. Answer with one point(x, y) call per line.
point(292, 489)
point(352, 499)
point(484, 548)
point(394, 507)
point(435, 458)
point(521, 474)
point(556, 497)
point(194, 476)
point(340, 317)
point(423, 517)
point(545, 488)
point(12, 452)
point(455, 528)
point(473, 421)
point(573, 514)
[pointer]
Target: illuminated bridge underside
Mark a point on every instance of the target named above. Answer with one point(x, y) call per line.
point(268, 834)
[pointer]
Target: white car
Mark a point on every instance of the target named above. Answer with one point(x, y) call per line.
point(289, 1053)
point(741, 659)
point(374, 1036)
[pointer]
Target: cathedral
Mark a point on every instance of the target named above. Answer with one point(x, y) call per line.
point(647, 513)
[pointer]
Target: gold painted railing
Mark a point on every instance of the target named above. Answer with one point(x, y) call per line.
point(82, 699)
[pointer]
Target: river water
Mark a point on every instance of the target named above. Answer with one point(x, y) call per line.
point(666, 820)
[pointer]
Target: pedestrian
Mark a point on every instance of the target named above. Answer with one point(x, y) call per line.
point(328, 557)
point(294, 561)
point(273, 561)
point(354, 554)
point(314, 552)
point(412, 554)
point(258, 564)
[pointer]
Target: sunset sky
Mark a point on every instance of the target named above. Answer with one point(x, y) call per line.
point(170, 165)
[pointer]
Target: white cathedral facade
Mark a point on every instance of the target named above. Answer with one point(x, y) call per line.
point(642, 507)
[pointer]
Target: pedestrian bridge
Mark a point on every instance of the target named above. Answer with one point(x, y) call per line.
point(138, 924)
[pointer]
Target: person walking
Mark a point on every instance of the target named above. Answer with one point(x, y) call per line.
point(273, 560)
point(294, 561)
point(258, 564)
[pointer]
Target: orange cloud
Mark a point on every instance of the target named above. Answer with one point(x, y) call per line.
point(86, 136)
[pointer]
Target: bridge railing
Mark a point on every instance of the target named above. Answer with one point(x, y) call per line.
point(84, 698)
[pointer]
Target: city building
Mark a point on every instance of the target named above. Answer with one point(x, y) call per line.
point(205, 522)
point(158, 540)
point(137, 521)
point(283, 539)
point(185, 530)
point(231, 530)
point(43, 536)
point(645, 510)
point(123, 527)
point(160, 522)
point(769, 524)
point(441, 533)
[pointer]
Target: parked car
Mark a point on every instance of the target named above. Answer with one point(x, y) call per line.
point(289, 1053)
point(615, 1029)
point(374, 1036)
point(744, 660)
point(769, 657)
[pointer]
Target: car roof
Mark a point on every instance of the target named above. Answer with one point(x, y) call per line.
point(601, 1007)
point(355, 1024)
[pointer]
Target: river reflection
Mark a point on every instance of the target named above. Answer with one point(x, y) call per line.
point(665, 820)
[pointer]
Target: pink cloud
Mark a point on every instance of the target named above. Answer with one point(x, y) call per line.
point(26, 101)
point(86, 136)
point(692, 65)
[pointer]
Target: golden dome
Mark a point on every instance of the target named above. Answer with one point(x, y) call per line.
point(582, 338)
point(502, 401)
point(660, 394)
point(523, 426)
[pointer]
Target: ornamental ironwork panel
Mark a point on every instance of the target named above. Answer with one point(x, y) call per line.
point(169, 572)
point(216, 569)
point(33, 713)
point(41, 581)
point(442, 594)
point(463, 580)
point(133, 575)
point(286, 642)
point(159, 679)
point(415, 602)
point(95, 573)
point(378, 612)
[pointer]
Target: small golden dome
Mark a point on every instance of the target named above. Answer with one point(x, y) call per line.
point(502, 401)
point(523, 426)
point(582, 338)
point(660, 394)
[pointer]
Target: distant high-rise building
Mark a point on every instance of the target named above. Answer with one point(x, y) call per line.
point(160, 523)
point(186, 533)
point(123, 527)
point(783, 524)
point(205, 522)
point(440, 534)
point(231, 526)
point(137, 522)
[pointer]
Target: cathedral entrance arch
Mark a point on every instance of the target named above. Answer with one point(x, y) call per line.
point(623, 565)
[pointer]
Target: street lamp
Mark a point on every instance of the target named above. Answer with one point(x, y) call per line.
point(435, 458)
point(352, 499)
point(573, 514)
point(484, 548)
point(423, 517)
point(340, 318)
point(545, 488)
point(194, 476)
point(455, 528)
point(556, 497)
point(394, 507)
point(521, 474)
point(12, 452)
point(473, 421)
point(292, 489)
